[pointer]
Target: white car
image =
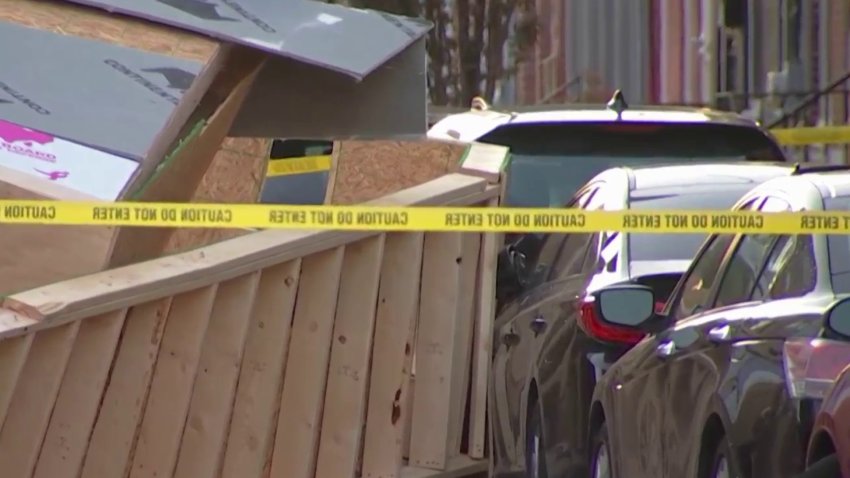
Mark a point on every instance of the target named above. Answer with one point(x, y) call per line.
point(556, 150)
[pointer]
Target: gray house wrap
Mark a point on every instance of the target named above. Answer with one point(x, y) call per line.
point(93, 93)
point(335, 71)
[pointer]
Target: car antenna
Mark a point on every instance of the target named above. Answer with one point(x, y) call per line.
point(618, 104)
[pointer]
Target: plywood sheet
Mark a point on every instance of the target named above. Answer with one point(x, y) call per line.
point(366, 170)
point(33, 256)
point(235, 177)
point(69, 19)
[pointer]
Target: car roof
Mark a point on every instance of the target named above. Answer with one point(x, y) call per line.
point(827, 184)
point(707, 174)
point(475, 123)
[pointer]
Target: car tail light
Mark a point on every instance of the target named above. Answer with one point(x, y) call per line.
point(605, 332)
point(812, 365)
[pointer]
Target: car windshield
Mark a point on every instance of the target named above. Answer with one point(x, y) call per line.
point(658, 247)
point(839, 248)
point(549, 162)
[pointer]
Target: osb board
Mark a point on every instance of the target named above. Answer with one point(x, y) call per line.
point(366, 170)
point(70, 19)
point(33, 256)
point(235, 176)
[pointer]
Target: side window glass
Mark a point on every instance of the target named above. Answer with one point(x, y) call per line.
point(552, 244)
point(539, 251)
point(575, 247)
point(695, 291)
point(574, 250)
point(743, 269)
point(791, 270)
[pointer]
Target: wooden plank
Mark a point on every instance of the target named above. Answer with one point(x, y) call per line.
point(303, 393)
point(114, 434)
point(392, 352)
point(351, 352)
point(408, 404)
point(180, 180)
point(215, 385)
point(435, 349)
point(171, 387)
point(124, 287)
point(482, 349)
point(79, 397)
point(457, 467)
point(258, 393)
point(463, 340)
point(13, 355)
point(32, 403)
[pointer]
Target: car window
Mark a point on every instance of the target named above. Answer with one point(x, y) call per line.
point(550, 246)
point(577, 246)
point(755, 252)
point(572, 257)
point(744, 267)
point(790, 271)
point(550, 161)
point(660, 247)
point(696, 289)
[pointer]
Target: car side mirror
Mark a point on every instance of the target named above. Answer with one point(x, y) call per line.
point(516, 259)
point(630, 306)
point(838, 319)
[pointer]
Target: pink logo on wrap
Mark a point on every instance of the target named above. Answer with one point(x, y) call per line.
point(53, 175)
point(23, 141)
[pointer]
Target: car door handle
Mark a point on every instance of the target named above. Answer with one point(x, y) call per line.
point(510, 339)
point(538, 325)
point(666, 349)
point(720, 333)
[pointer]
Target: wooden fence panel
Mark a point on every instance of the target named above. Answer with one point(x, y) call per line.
point(79, 396)
point(35, 395)
point(255, 409)
point(276, 354)
point(392, 353)
point(215, 384)
point(171, 388)
point(348, 373)
point(305, 378)
point(124, 401)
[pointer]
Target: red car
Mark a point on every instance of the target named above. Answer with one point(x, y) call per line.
point(828, 453)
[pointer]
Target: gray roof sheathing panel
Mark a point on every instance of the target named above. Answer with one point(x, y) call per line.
point(97, 94)
point(347, 40)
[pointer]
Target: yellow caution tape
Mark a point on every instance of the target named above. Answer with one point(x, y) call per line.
point(302, 165)
point(812, 135)
point(377, 218)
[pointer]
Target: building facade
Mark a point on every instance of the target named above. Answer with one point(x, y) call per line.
point(759, 56)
